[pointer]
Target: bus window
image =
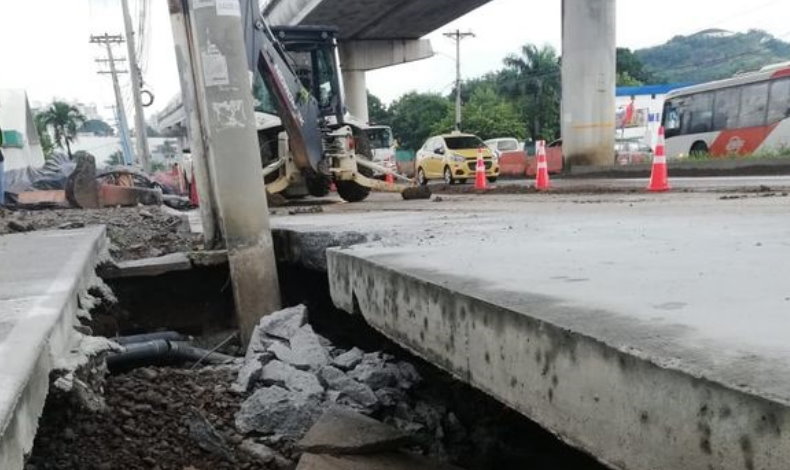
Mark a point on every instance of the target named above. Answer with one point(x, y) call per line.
point(671, 118)
point(779, 107)
point(725, 114)
point(699, 114)
point(754, 100)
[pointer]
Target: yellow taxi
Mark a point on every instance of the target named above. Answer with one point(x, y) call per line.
point(453, 157)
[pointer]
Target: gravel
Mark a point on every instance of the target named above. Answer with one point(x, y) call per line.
point(157, 418)
point(134, 232)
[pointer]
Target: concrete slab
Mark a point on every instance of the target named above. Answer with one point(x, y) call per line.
point(648, 330)
point(44, 278)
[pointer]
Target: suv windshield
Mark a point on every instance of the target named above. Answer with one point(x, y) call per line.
point(466, 142)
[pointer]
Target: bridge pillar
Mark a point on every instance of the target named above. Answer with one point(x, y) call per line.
point(588, 81)
point(358, 57)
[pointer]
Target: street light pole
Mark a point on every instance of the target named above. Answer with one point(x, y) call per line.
point(457, 36)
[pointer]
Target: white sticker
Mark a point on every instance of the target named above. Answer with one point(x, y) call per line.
point(203, 3)
point(228, 8)
point(229, 114)
point(215, 67)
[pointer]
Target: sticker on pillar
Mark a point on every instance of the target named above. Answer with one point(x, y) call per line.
point(215, 67)
point(228, 8)
point(229, 114)
point(203, 3)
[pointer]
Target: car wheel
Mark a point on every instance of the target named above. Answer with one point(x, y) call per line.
point(421, 179)
point(448, 176)
point(492, 179)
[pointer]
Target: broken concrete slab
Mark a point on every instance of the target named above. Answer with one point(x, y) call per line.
point(279, 373)
point(275, 410)
point(388, 461)
point(349, 359)
point(357, 392)
point(342, 431)
point(249, 374)
point(148, 267)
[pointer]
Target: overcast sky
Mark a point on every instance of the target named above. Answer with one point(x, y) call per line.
point(44, 44)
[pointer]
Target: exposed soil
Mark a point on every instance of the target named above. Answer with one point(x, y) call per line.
point(152, 422)
point(134, 232)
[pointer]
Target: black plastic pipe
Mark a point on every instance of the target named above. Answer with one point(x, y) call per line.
point(142, 338)
point(160, 351)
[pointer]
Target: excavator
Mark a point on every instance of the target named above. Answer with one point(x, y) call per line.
point(308, 141)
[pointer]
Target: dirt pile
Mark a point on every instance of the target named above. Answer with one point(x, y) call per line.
point(134, 232)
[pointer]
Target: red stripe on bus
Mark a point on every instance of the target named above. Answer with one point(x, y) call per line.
point(781, 73)
point(740, 141)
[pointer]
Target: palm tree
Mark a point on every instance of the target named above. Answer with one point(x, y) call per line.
point(65, 120)
point(535, 76)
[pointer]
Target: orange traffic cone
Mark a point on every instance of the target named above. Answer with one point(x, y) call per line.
point(389, 179)
point(480, 171)
point(659, 180)
point(542, 174)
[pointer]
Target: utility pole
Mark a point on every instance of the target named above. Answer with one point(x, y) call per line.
point(143, 153)
point(224, 112)
point(123, 126)
point(457, 36)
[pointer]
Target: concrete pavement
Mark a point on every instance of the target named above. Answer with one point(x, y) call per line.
point(648, 330)
point(44, 279)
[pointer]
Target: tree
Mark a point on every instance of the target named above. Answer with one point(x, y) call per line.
point(414, 115)
point(532, 78)
point(65, 120)
point(630, 69)
point(377, 112)
point(97, 127)
point(487, 115)
point(43, 135)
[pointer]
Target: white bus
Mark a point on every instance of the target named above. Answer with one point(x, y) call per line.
point(738, 116)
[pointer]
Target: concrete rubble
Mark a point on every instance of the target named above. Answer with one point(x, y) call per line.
point(341, 431)
point(293, 375)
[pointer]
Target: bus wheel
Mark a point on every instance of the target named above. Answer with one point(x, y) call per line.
point(698, 149)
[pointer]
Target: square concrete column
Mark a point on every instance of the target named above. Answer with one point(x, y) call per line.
point(588, 81)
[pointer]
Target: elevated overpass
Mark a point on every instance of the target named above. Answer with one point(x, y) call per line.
point(380, 33)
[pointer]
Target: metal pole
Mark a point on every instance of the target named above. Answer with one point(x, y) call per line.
point(212, 233)
point(234, 164)
point(143, 153)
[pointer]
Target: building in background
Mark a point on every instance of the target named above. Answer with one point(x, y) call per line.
point(639, 109)
point(21, 143)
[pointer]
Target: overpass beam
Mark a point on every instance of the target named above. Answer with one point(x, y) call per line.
point(358, 57)
point(588, 81)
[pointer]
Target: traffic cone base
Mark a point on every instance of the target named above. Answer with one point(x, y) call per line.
point(389, 179)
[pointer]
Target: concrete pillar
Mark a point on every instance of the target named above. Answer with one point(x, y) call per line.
point(588, 81)
point(357, 57)
point(356, 94)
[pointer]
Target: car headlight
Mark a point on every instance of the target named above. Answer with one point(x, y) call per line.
point(457, 158)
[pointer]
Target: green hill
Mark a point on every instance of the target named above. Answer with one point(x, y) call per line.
point(713, 54)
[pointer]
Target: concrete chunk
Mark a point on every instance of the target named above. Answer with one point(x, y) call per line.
point(279, 373)
point(389, 461)
point(305, 352)
point(275, 410)
point(358, 392)
point(284, 323)
point(149, 267)
point(249, 373)
point(342, 431)
point(259, 451)
point(349, 359)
